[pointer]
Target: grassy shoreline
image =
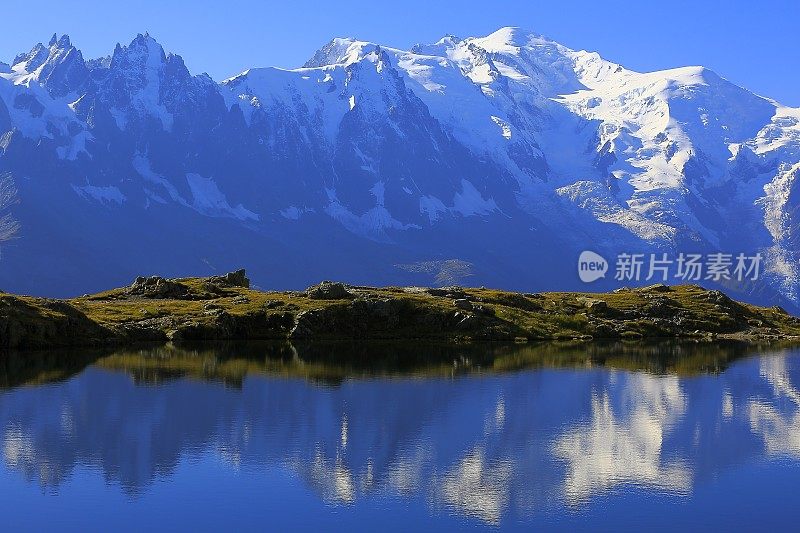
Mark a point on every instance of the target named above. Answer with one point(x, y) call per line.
point(225, 308)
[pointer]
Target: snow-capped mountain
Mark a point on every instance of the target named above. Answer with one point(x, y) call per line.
point(492, 160)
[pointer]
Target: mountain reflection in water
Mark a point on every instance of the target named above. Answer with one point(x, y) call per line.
point(488, 435)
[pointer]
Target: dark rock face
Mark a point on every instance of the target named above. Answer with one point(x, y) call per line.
point(5, 118)
point(370, 317)
point(231, 279)
point(329, 290)
point(307, 324)
point(360, 318)
point(660, 308)
point(157, 287)
point(448, 292)
point(23, 325)
point(463, 303)
point(596, 306)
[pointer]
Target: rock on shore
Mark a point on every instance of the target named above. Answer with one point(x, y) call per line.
point(224, 307)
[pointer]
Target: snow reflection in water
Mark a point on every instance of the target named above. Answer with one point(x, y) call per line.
point(488, 447)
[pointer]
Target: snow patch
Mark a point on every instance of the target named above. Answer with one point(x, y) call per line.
point(294, 213)
point(209, 200)
point(379, 192)
point(469, 201)
point(142, 165)
point(52, 119)
point(504, 127)
point(103, 195)
point(155, 197)
point(373, 224)
point(432, 207)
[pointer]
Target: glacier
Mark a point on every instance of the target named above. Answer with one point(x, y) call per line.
point(507, 155)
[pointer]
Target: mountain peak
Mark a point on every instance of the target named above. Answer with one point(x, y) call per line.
point(62, 43)
point(513, 35)
point(340, 50)
point(511, 38)
point(448, 39)
point(489, 130)
point(59, 66)
point(147, 41)
point(39, 54)
point(143, 37)
point(143, 50)
point(36, 56)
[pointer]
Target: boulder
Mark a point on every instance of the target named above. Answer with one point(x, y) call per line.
point(657, 287)
point(466, 321)
point(307, 324)
point(157, 287)
point(660, 308)
point(373, 308)
point(231, 279)
point(594, 305)
point(375, 312)
point(329, 290)
point(463, 303)
point(466, 305)
point(453, 291)
point(719, 297)
point(483, 310)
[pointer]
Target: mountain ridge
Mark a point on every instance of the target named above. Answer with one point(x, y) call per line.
point(507, 153)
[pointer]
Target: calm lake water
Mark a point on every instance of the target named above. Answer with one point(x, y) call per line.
point(402, 438)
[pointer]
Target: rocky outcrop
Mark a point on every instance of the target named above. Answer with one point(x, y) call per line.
point(155, 309)
point(329, 290)
point(45, 323)
point(231, 279)
point(395, 318)
point(157, 287)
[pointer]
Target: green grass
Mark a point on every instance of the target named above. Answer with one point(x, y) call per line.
point(627, 314)
point(542, 316)
point(548, 315)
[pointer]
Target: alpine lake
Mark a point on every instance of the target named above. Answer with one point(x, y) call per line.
point(402, 437)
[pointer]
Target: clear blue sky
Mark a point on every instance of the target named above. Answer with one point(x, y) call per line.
point(752, 43)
